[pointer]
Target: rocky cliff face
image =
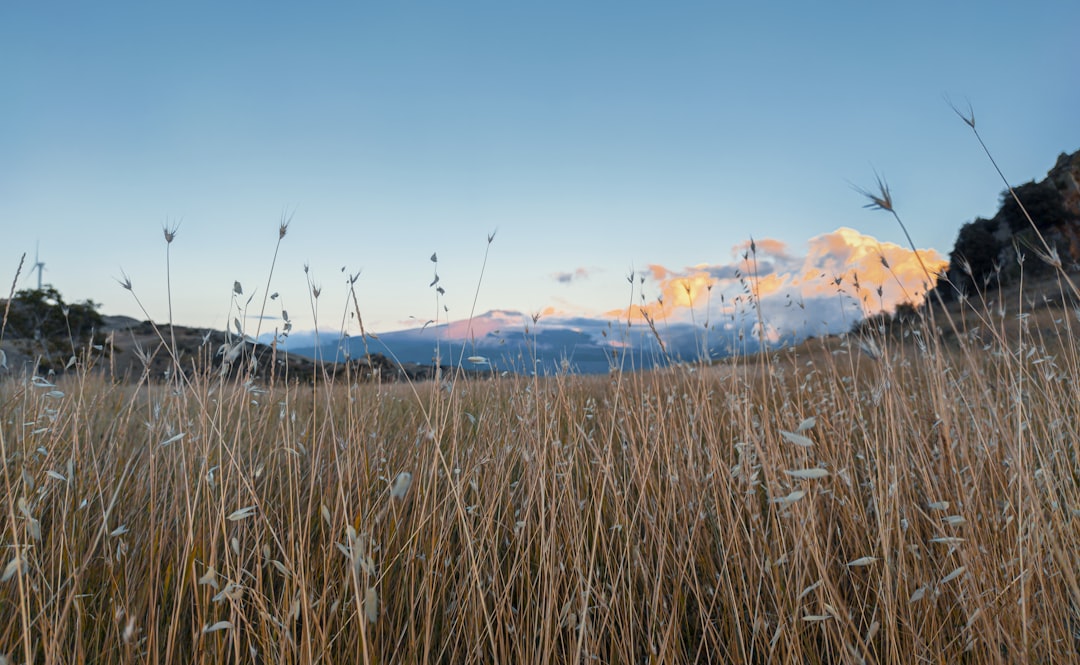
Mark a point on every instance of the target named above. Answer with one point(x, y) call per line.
point(1065, 176)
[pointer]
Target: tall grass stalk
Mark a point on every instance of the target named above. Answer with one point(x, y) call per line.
point(11, 294)
point(170, 235)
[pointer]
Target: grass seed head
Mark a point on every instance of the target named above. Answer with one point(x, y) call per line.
point(209, 578)
point(371, 605)
point(401, 485)
point(879, 200)
point(797, 439)
point(16, 565)
point(220, 625)
point(808, 474)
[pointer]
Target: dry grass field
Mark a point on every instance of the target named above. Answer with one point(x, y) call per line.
point(813, 505)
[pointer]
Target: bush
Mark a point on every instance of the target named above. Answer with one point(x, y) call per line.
point(1043, 202)
point(973, 260)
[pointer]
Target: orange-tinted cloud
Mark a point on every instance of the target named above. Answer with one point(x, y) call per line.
point(834, 261)
point(659, 272)
point(763, 247)
point(678, 292)
point(856, 258)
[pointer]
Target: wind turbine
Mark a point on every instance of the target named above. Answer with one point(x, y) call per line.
point(39, 266)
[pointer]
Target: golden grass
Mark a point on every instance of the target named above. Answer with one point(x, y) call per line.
point(674, 516)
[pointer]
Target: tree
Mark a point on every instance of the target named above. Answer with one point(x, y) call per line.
point(1042, 200)
point(906, 312)
point(974, 257)
point(42, 315)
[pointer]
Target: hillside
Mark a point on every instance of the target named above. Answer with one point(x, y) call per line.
point(46, 335)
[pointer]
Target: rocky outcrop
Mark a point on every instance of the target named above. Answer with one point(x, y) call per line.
point(1065, 176)
point(1054, 206)
point(985, 253)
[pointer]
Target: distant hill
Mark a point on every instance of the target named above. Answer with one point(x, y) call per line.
point(45, 335)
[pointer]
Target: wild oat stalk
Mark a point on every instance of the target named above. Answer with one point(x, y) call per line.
point(476, 294)
point(1048, 254)
point(283, 228)
point(170, 235)
point(11, 296)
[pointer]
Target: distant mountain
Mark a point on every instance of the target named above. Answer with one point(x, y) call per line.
point(511, 341)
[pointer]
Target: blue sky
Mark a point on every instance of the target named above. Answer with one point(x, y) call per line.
point(597, 138)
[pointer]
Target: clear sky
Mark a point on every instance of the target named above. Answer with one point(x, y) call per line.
point(596, 137)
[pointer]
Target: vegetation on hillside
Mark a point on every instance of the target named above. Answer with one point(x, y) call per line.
point(49, 327)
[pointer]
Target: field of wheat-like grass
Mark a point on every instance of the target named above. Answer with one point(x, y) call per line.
point(917, 503)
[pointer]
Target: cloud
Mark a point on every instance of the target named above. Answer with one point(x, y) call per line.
point(764, 247)
point(568, 277)
point(726, 272)
point(883, 274)
point(844, 275)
